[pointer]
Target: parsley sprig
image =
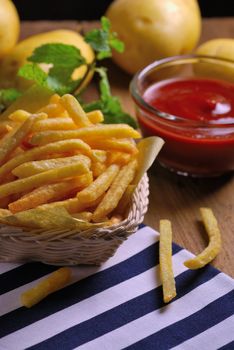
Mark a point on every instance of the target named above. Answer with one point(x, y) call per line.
point(62, 60)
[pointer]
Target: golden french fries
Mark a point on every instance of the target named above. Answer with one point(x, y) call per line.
point(55, 281)
point(214, 246)
point(61, 167)
point(39, 166)
point(75, 110)
point(86, 133)
point(40, 179)
point(37, 153)
point(99, 186)
point(49, 193)
point(116, 191)
point(13, 141)
point(165, 261)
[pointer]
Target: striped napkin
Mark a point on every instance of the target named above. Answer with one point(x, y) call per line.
point(119, 305)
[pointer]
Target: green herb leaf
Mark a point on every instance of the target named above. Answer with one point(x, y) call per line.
point(32, 71)
point(108, 104)
point(7, 96)
point(62, 60)
point(103, 40)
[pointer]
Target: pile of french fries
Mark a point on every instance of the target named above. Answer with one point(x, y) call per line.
point(62, 158)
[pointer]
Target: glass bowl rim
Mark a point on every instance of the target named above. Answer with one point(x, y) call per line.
point(141, 74)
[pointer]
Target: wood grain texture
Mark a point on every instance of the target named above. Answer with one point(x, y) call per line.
point(174, 197)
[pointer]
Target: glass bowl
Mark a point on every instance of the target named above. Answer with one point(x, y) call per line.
point(197, 147)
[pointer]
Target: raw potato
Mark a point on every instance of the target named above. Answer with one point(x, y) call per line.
point(18, 56)
point(153, 29)
point(220, 48)
point(9, 26)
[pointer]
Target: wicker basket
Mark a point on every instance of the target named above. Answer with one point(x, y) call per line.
point(72, 247)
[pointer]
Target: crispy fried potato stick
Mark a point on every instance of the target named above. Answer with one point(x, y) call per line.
point(52, 109)
point(95, 117)
point(72, 205)
point(46, 177)
point(98, 186)
point(115, 192)
point(49, 193)
point(54, 124)
point(13, 141)
point(75, 110)
point(98, 131)
point(214, 246)
point(35, 167)
point(98, 168)
point(19, 116)
point(116, 157)
point(113, 144)
point(165, 261)
point(55, 281)
point(36, 153)
point(84, 215)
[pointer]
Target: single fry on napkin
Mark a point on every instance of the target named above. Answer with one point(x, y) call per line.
point(49, 285)
point(214, 246)
point(165, 261)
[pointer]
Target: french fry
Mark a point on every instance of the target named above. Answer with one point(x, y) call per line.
point(39, 166)
point(113, 144)
point(49, 193)
point(19, 116)
point(55, 281)
point(54, 124)
point(214, 246)
point(86, 133)
point(120, 158)
point(55, 99)
point(125, 200)
point(98, 168)
point(52, 110)
point(98, 186)
point(95, 117)
point(115, 192)
point(46, 177)
point(13, 141)
point(50, 149)
point(75, 110)
point(115, 219)
point(72, 205)
point(84, 215)
point(165, 261)
point(4, 202)
point(4, 127)
point(99, 155)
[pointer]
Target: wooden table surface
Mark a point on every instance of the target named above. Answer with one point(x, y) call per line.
point(174, 197)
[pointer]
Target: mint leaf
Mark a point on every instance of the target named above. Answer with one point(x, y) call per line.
point(108, 104)
point(103, 40)
point(59, 55)
point(32, 71)
point(7, 96)
point(62, 60)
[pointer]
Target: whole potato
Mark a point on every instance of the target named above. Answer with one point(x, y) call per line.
point(219, 48)
point(9, 26)
point(153, 29)
point(10, 65)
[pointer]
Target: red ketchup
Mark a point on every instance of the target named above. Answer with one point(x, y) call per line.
point(199, 128)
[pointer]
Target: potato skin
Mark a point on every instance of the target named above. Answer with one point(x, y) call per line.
point(18, 56)
point(154, 29)
point(9, 26)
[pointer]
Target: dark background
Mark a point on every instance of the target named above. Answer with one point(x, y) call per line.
point(94, 9)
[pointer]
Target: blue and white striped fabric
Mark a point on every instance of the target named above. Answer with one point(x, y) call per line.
point(119, 305)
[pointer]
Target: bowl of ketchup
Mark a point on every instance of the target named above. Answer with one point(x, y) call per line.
point(189, 102)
